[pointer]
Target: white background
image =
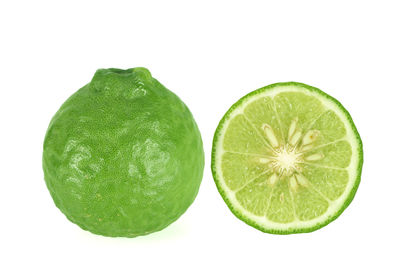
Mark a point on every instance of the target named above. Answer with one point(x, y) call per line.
point(210, 53)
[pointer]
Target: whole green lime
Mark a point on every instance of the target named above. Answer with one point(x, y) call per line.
point(123, 155)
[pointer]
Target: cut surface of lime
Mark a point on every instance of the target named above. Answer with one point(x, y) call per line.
point(287, 158)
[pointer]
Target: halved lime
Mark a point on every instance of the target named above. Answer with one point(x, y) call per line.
point(287, 158)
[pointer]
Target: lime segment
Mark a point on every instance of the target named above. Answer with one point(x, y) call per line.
point(236, 176)
point(242, 137)
point(309, 203)
point(260, 111)
point(328, 181)
point(281, 207)
point(252, 197)
point(337, 154)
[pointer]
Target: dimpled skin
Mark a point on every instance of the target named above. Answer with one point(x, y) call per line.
point(123, 155)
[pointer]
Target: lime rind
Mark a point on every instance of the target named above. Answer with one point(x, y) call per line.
point(336, 207)
point(123, 156)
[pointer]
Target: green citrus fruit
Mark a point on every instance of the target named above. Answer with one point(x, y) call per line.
point(287, 158)
point(123, 155)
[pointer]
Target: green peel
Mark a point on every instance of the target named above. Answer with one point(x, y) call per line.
point(123, 155)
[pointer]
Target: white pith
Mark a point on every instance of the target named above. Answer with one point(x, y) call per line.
point(289, 153)
point(286, 158)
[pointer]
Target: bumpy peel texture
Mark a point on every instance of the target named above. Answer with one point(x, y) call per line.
point(123, 155)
